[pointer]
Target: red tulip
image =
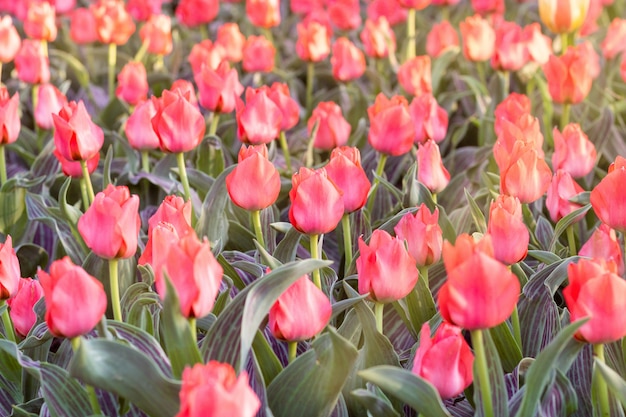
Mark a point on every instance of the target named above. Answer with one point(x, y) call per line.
point(511, 109)
point(430, 169)
point(347, 61)
point(391, 127)
point(214, 390)
point(480, 292)
point(429, 119)
point(508, 232)
point(345, 14)
point(378, 38)
point(132, 83)
point(10, 40)
point(316, 202)
point(138, 128)
point(31, 63)
point(75, 301)
point(300, 313)
point(193, 13)
point(263, 13)
point(143, 10)
point(445, 361)
point(345, 170)
point(313, 44)
point(259, 120)
point(219, 88)
point(254, 184)
point(290, 109)
point(596, 291)
point(511, 52)
point(113, 23)
point(528, 176)
point(415, 77)
point(258, 54)
point(75, 136)
point(414, 4)
point(40, 21)
point(9, 269)
point(49, 101)
point(178, 123)
point(524, 129)
point(604, 244)
point(487, 7)
point(441, 38)
point(157, 33)
point(573, 151)
point(422, 234)
point(73, 168)
point(205, 53)
point(570, 75)
point(190, 266)
point(608, 199)
point(232, 40)
point(10, 124)
point(21, 305)
point(377, 259)
point(187, 90)
point(110, 227)
point(389, 9)
point(83, 26)
point(479, 38)
point(333, 129)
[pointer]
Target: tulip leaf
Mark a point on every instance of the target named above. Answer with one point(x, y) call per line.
point(12, 206)
point(508, 350)
point(542, 370)
point(125, 371)
point(288, 246)
point(212, 222)
point(231, 337)
point(268, 363)
point(496, 379)
point(614, 381)
point(415, 391)
point(209, 155)
point(544, 256)
point(566, 222)
point(81, 73)
point(230, 272)
point(375, 405)
point(311, 385)
point(420, 305)
point(477, 214)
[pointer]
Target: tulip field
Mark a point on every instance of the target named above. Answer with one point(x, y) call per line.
point(312, 208)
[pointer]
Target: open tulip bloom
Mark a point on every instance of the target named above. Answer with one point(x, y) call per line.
point(312, 208)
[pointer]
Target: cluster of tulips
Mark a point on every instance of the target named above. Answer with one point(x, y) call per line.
point(175, 244)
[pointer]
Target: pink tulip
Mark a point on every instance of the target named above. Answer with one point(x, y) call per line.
point(21, 305)
point(430, 169)
point(178, 123)
point(422, 234)
point(508, 232)
point(10, 124)
point(259, 120)
point(76, 136)
point(333, 130)
point(132, 83)
point(49, 101)
point(604, 244)
point(345, 170)
point(9, 269)
point(138, 128)
point(391, 127)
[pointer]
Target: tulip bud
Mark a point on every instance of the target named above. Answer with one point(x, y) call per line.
point(430, 169)
point(378, 38)
point(75, 136)
point(415, 76)
point(49, 101)
point(9, 269)
point(259, 120)
point(313, 44)
point(422, 234)
point(441, 38)
point(258, 54)
point(219, 88)
point(573, 151)
point(178, 123)
point(479, 38)
point(194, 13)
point(333, 130)
point(10, 124)
point(157, 33)
point(608, 199)
point(345, 170)
point(132, 83)
point(10, 40)
point(508, 232)
point(347, 61)
point(138, 128)
point(391, 127)
point(563, 16)
point(21, 305)
point(604, 244)
point(263, 13)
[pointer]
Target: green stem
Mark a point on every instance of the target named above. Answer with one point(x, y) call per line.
point(481, 373)
point(112, 63)
point(310, 74)
point(182, 172)
point(424, 274)
point(214, 122)
point(145, 161)
point(410, 34)
point(506, 82)
point(3, 166)
point(142, 50)
point(571, 240)
point(347, 241)
point(564, 42)
point(293, 351)
point(379, 172)
point(258, 230)
point(309, 149)
point(204, 31)
point(194, 328)
point(480, 68)
point(35, 100)
point(285, 148)
point(517, 331)
point(1, 83)
point(445, 13)
point(87, 179)
point(84, 193)
point(378, 312)
point(115, 289)
point(602, 393)
point(8, 324)
point(565, 115)
point(317, 280)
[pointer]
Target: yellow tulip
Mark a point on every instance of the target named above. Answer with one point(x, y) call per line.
point(563, 16)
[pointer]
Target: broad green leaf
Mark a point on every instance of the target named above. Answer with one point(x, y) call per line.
point(375, 405)
point(544, 256)
point(126, 371)
point(209, 156)
point(508, 350)
point(268, 363)
point(288, 246)
point(614, 382)
point(477, 214)
point(407, 387)
point(12, 206)
point(566, 222)
point(212, 222)
point(230, 272)
point(420, 306)
point(311, 385)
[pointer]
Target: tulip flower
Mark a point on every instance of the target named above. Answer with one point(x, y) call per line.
point(132, 83)
point(391, 127)
point(333, 130)
point(263, 13)
point(74, 169)
point(561, 190)
point(573, 151)
point(430, 169)
point(389, 9)
point(10, 40)
point(445, 361)
point(205, 53)
point(515, 135)
point(10, 124)
point(429, 119)
point(527, 176)
point(219, 88)
point(313, 45)
point(229, 36)
point(539, 45)
point(488, 7)
point(570, 76)
point(507, 230)
point(75, 301)
point(259, 54)
point(156, 33)
point(21, 305)
point(260, 119)
point(143, 10)
point(32, 63)
point(347, 61)
point(138, 127)
point(9, 281)
point(479, 39)
point(604, 244)
point(83, 26)
point(378, 38)
point(49, 101)
point(214, 389)
point(441, 38)
point(511, 51)
point(190, 266)
point(415, 76)
point(608, 199)
point(422, 234)
point(192, 13)
point(563, 16)
point(511, 109)
point(40, 22)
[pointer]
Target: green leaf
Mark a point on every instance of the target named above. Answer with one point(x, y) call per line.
point(311, 385)
point(477, 214)
point(266, 358)
point(12, 205)
point(288, 246)
point(209, 156)
point(375, 405)
point(81, 73)
point(508, 350)
point(31, 257)
point(566, 222)
point(544, 256)
point(212, 222)
point(230, 272)
point(125, 371)
point(409, 388)
point(614, 382)
point(420, 305)
point(499, 396)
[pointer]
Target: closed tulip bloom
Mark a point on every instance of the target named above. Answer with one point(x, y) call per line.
point(219, 88)
point(258, 54)
point(31, 63)
point(345, 14)
point(259, 120)
point(515, 135)
point(143, 10)
point(608, 199)
point(479, 39)
point(430, 169)
point(313, 44)
point(422, 234)
point(613, 44)
point(174, 211)
point(604, 244)
point(333, 129)
point(187, 90)
point(347, 61)
point(386, 270)
point(511, 51)
point(40, 21)
point(49, 101)
point(194, 13)
point(76, 136)
point(21, 305)
point(157, 33)
point(178, 123)
point(214, 390)
point(414, 4)
point(507, 229)
point(345, 170)
point(480, 292)
point(205, 53)
point(9, 269)
point(10, 40)
point(190, 266)
point(75, 301)
point(511, 109)
point(110, 226)
point(254, 184)
point(570, 76)
point(527, 177)
point(73, 168)
point(290, 109)
point(415, 76)
point(316, 202)
point(597, 292)
point(445, 361)
point(232, 40)
point(304, 6)
point(378, 38)
point(539, 46)
point(389, 9)
point(429, 119)
point(391, 127)
point(132, 83)
point(263, 13)
point(83, 26)
point(10, 123)
point(113, 23)
point(488, 7)
point(573, 151)
point(138, 127)
point(441, 38)
point(563, 16)
point(300, 313)
point(64, 6)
